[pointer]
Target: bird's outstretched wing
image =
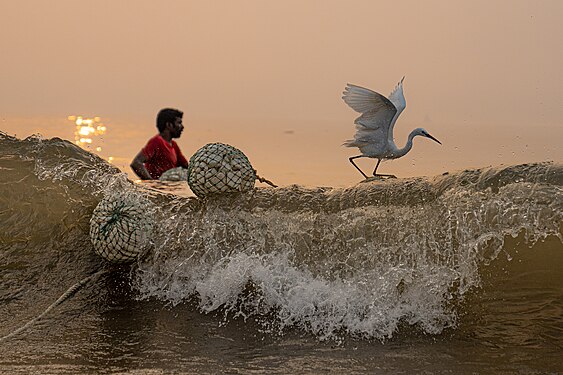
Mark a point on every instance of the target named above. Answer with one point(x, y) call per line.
point(377, 112)
point(398, 98)
point(364, 100)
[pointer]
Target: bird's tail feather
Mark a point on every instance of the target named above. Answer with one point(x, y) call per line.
point(350, 143)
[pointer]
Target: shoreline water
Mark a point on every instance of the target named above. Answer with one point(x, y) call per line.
point(456, 273)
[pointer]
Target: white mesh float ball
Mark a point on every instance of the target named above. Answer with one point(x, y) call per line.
point(219, 168)
point(120, 228)
point(175, 174)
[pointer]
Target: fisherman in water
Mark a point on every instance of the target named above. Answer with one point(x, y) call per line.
point(161, 152)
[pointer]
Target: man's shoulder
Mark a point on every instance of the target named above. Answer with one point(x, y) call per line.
point(153, 145)
point(156, 138)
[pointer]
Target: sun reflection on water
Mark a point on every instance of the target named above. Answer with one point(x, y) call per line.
point(88, 133)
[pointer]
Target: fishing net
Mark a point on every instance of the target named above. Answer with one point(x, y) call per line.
point(220, 168)
point(120, 227)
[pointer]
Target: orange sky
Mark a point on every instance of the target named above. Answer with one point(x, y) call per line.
point(484, 77)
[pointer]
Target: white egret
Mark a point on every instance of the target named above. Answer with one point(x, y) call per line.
point(374, 128)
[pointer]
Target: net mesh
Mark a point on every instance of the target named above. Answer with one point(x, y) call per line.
point(120, 228)
point(175, 174)
point(220, 168)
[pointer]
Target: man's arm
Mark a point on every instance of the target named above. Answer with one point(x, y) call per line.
point(182, 162)
point(138, 166)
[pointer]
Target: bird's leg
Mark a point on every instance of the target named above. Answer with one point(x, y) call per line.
point(354, 164)
point(382, 175)
point(376, 166)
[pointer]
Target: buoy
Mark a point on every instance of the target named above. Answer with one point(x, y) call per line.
point(175, 174)
point(120, 228)
point(219, 168)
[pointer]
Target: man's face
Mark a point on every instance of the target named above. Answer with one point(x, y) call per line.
point(176, 128)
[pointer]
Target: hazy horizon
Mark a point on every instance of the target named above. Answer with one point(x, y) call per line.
point(267, 77)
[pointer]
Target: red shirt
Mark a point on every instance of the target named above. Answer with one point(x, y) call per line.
point(162, 156)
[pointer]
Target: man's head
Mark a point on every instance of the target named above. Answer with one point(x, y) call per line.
point(170, 118)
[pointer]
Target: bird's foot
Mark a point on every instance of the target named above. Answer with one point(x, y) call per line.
point(385, 176)
point(373, 178)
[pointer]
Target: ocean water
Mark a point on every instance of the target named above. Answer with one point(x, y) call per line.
point(457, 273)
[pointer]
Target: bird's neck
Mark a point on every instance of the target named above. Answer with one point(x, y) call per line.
point(402, 151)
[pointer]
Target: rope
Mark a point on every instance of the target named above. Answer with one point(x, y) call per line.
point(65, 296)
point(262, 179)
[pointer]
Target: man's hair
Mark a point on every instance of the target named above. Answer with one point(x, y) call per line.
point(167, 115)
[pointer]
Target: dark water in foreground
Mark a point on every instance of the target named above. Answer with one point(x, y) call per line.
point(452, 274)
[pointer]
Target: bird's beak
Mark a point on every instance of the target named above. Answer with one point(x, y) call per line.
point(402, 79)
point(434, 139)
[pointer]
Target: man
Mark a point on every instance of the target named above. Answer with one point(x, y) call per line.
point(161, 152)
